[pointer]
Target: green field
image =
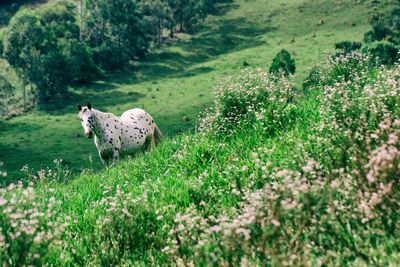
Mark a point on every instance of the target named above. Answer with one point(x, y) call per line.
point(176, 80)
point(302, 178)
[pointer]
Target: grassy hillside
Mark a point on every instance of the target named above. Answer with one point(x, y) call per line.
point(176, 80)
point(299, 179)
point(274, 176)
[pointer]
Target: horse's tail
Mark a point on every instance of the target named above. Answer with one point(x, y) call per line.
point(158, 136)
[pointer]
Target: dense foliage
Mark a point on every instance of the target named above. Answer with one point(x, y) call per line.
point(284, 63)
point(6, 92)
point(251, 98)
point(306, 195)
point(50, 48)
point(381, 43)
point(43, 46)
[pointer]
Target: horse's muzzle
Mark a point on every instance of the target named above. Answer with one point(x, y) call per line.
point(88, 135)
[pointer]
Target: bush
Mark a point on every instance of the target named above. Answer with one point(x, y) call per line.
point(312, 80)
point(283, 62)
point(347, 47)
point(29, 226)
point(254, 96)
point(385, 26)
point(382, 52)
point(343, 68)
point(303, 214)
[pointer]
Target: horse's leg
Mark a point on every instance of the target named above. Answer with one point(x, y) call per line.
point(148, 143)
point(115, 155)
point(153, 143)
point(103, 158)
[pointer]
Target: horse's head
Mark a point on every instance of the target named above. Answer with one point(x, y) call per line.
point(86, 116)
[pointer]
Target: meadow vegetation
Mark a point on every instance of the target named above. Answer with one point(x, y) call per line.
point(174, 81)
point(275, 174)
point(311, 181)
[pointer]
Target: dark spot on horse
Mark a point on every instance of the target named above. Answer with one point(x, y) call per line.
point(110, 142)
point(137, 142)
point(119, 137)
point(107, 124)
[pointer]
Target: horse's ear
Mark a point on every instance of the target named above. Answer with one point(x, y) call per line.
point(89, 106)
point(79, 107)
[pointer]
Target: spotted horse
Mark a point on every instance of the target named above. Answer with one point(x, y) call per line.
point(115, 136)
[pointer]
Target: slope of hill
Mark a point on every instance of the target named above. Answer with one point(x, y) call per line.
point(294, 178)
point(176, 80)
point(298, 179)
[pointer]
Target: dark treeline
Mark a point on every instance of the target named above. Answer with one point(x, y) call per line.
point(66, 42)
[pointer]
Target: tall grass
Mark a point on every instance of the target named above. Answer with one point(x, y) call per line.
point(273, 177)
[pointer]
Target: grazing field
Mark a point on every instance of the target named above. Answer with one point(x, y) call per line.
point(176, 80)
point(272, 174)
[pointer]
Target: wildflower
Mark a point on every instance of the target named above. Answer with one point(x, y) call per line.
point(275, 222)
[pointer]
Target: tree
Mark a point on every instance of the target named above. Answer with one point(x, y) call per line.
point(43, 47)
point(188, 13)
point(117, 31)
point(20, 42)
point(159, 14)
point(6, 92)
point(283, 62)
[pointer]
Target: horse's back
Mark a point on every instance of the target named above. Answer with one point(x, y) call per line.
point(136, 112)
point(138, 117)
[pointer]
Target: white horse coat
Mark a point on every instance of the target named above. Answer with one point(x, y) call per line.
point(134, 130)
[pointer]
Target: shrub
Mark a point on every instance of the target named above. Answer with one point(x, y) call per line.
point(347, 47)
point(353, 109)
point(283, 62)
point(253, 96)
point(314, 212)
point(382, 52)
point(385, 26)
point(312, 80)
point(29, 227)
point(343, 68)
